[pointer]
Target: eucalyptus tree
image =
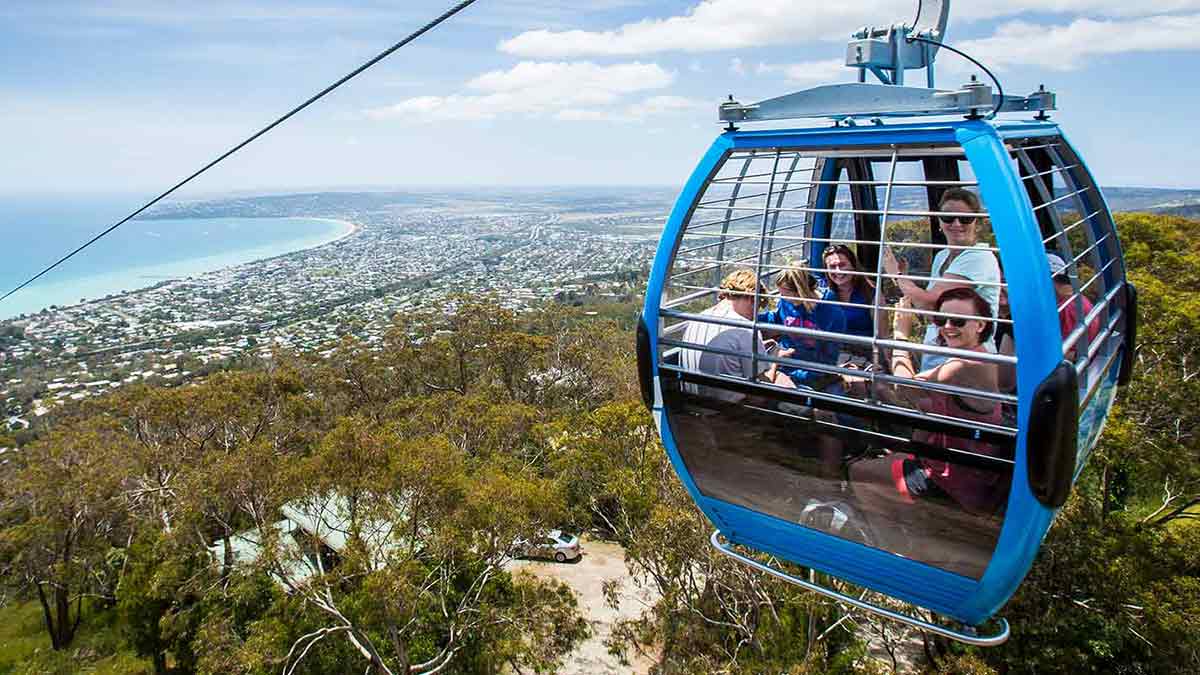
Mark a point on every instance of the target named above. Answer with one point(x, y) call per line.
point(61, 516)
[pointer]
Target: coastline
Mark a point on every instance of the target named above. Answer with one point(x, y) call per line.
point(352, 228)
point(125, 283)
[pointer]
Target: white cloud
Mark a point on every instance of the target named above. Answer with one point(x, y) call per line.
point(533, 88)
point(580, 82)
point(663, 105)
point(992, 9)
point(811, 72)
point(736, 66)
point(709, 26)
point(578, 115)
point(1069, 47)
point(713, 25)
point(655, 106)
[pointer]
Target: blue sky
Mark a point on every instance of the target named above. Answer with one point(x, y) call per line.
point(128, 97)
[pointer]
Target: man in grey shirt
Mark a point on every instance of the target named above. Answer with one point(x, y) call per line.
point(736, 303)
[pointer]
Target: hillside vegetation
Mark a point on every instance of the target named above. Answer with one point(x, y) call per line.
point(145, 525)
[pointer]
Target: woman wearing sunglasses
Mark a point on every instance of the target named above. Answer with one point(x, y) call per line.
point(965, 263)
point(882, 484)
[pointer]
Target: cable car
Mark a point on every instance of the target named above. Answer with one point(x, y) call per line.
point(803, 275)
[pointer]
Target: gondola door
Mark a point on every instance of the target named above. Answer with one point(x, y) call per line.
point(876, 489)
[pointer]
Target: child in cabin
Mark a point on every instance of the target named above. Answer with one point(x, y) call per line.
point(799, 306)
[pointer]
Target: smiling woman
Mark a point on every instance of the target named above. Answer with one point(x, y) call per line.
point(962, 264)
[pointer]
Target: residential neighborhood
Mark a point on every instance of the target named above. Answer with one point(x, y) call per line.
point(403, 253)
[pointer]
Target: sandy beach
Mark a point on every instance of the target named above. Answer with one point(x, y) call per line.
point(84, 290)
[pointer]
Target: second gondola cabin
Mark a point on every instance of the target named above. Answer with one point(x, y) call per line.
point(858, 461)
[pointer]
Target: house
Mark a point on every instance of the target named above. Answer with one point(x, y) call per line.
point(310, 538)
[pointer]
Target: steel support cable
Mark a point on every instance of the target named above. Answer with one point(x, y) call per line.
point(999, 87)
point(316, 97)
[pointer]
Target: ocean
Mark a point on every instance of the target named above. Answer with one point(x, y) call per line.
point(36, 232)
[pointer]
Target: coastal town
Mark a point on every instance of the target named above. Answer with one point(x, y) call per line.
point(405, 251)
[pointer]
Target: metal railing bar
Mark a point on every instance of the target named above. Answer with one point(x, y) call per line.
point(1099, 273)
point(768, 153)
point(690, 297)
point(762, 243)
point(899, 183)
point(845, 338)
point(714, 263)
point(861, 404)
point(971, 638)
point(736, 237)
point(1086, 251)
point(970, 425)
point(1056, 200)
point(733, 180)
point(943, 388)
point(897, 243)
point(990, 459)
point(708, 290)
point(881, 152)
point(689, 227)
point(876, 356)
point(1027, 148)
point(1070, 227)
point(851, 212)
point(865, 242)
point(910, 277)
point(862, 242)
point(1047, 172)
point(1105, 335)
point(757, 195)
point(1096, 384)
point(1073, 337)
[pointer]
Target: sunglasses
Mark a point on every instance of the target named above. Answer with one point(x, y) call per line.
point(965, 220)
point(940, 321)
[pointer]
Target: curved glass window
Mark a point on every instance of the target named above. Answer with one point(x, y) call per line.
point(1085, 263)
point(829, 354)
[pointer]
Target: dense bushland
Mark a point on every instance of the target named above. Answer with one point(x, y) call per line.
point(152, 517)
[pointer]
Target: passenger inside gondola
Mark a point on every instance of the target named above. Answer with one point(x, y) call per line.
point(798, 306)
point(953, 503)
point(851, 286)
point(1069, 315)
point(727, 349)
point(965, 262)
point(1005, 343)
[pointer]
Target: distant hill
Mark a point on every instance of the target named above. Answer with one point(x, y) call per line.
point(1188, 211)
point(613, 200)
point(595, 200)
point(1157, 200)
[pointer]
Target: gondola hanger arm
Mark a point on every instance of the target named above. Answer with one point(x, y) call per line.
point(887, 52)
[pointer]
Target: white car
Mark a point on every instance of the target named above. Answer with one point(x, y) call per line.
point(554, 544)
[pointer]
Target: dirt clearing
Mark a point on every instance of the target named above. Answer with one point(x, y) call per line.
point(601, 562)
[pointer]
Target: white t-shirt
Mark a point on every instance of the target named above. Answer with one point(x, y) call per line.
point(977, 265)
point(728, 338)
